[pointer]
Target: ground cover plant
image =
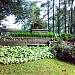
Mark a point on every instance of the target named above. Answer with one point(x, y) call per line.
point(39, 67)
point(19, 60)
point(21, 54)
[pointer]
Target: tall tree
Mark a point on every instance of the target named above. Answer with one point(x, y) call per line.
point(65, 13)
point(48, 14)
point(71, 14)
point(58, 10)
point(23, 15)
point(53, 15)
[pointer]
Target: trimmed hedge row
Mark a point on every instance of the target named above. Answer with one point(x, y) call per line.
point(28, 34)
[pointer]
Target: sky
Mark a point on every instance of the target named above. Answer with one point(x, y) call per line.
point(10, 23)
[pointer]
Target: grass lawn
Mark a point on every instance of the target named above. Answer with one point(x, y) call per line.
point(39, 67)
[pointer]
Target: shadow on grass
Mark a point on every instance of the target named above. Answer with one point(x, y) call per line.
point(70, 60)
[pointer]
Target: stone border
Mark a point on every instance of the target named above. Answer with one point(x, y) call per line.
point(30, 41)
point(13, 43)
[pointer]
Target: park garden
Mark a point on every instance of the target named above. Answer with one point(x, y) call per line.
point(56, 58)
point(40, 47)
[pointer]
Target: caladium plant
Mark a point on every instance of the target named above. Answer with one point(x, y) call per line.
point(21, 54)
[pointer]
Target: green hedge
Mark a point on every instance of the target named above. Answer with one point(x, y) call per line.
point(28, 34)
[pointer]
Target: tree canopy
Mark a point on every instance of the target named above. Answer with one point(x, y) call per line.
point(24, 10)
point(8, 7)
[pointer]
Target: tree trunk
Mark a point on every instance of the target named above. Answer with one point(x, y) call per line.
point(48, 16)
point(65, 14)
point(71, 18)
point(58, 18)
point(71, 13)
point(53, 16)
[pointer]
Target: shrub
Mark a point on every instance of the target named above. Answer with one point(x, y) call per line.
point(28, 34)
point(66, 54)
point(64, 37)
point(53, 51)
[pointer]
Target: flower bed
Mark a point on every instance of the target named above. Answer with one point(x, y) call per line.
point(21, 54)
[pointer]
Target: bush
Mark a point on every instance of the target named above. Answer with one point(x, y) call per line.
point(28, 34)
point(64, 37)
point(62, 53)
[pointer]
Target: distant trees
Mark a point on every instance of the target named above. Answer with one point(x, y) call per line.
point(65, 13)
point(20, 8)
point(61, 20)
point(71, 14)
point(63, 17)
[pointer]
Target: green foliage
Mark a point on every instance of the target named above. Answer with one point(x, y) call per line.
point(72, 52)
point(20, 54)
point(8, 7)
point(53, 50)
point(58, 38)
point(36, 10)
point(64, 37)
point(63, 53)
point(38, 20)
point(28, 34)
point(23, 13)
